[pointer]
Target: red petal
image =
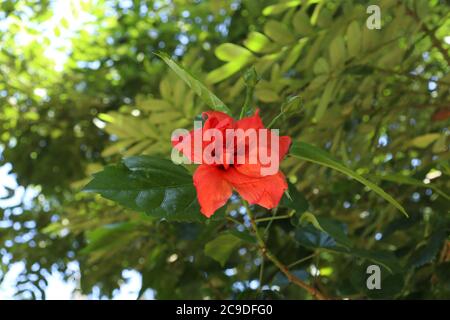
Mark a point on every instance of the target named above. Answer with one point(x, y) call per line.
point(265, 191)
point(251, 170)
point(217, 119)
point(213, 190)
point(255, 169)
point(220, 121)
point(253, 122)
point(284, 144)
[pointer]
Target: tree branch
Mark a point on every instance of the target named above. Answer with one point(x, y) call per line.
point(283, 268)
point(431, 33)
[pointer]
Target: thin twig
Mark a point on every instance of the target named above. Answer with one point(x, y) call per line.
point(275, 119)
point(261, 273)
point(284, 269)
point(408, 75)
point(234, 220)
point(274, 213)
point(302, 260)
point(273, 218)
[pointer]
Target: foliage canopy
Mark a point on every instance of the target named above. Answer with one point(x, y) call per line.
point(368, 110)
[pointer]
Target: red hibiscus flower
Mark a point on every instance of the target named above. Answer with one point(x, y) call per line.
point(215, 182)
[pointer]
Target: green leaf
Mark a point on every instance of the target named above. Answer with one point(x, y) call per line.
point(293, 55)
point(165, 88)
point(151, 185)
point(426, 253)
point(302, 23)
point(335, 229)
point(411, 181)
point(245, 236)
point(354, 38)
point(231, 52)
point(309, 217)
point(305, 151)
point(422, 8)
point(267, 95)
point(385, 258)
point(337, 51)
point(321, 66)
point(278, 32)
point(221, 247)
point(296, 200)
point(280, 7)
point(325, 99)
point(153, 105)
point(425, 140)
point(329, 234)
point(311, 237)
point(440, 145)
point(225, 71)
point(199, 88)
point(257, 42)
point(318, 82)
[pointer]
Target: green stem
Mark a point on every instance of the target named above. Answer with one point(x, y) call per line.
point(250, 79)
point(273, 218)
point(302, 260)
point(248, 101)
point(274, 213)
point(261, 273)
point(274, 120)
point(234, 220)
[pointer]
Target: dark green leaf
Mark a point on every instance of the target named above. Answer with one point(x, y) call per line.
point(151, 185)
point(243, 235)
point(325, 233)
point(199, 88)
point(428, 252)
point(311, 153)
point(336, 229)
point(295, 201)
point(221, 247)
point(311, 237)
point(411, 181)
